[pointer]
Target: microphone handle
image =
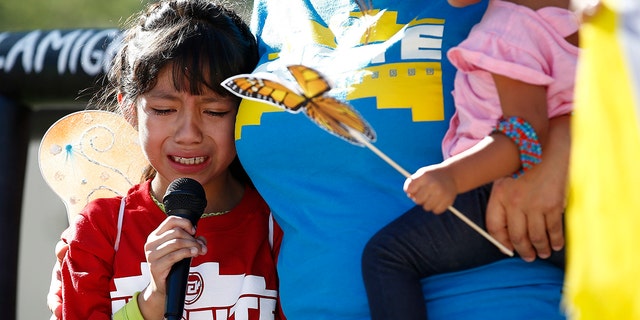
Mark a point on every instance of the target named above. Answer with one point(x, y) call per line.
point(178, 275)
point(177, 289)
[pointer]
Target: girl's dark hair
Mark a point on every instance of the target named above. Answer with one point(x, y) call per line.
point(203, 41)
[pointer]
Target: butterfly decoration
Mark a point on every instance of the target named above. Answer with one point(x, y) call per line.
point(90, 154)
point(309, 95)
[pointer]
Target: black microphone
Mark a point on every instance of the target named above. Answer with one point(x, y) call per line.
point(184, 198)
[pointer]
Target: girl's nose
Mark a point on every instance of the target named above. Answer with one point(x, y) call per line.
point(189, 129)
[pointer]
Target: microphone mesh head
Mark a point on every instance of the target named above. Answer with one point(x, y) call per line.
point(185, 193)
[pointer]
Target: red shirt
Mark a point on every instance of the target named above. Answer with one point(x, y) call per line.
point(236, 279)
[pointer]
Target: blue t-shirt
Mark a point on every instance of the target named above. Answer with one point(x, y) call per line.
point(330, 196)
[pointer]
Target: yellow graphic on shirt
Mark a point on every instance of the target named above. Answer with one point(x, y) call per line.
point(389, 26)
point(250, 114)
point(417, 84)
point(321, 35)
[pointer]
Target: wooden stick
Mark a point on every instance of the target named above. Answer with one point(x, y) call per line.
point(358, 136)
point(487, 236)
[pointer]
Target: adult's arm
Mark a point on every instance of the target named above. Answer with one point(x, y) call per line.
point(526, 214)
point(54, 296)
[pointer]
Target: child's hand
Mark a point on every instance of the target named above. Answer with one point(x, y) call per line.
point(431, 187)
point(171, 242)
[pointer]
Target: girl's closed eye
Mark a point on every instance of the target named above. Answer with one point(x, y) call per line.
point(217, 113)
point(162, 111)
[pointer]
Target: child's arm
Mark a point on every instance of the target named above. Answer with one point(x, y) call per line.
point(435, 187)
point(497, 155)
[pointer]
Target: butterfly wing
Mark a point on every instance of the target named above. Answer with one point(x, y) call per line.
point(90, 154)
point(333, 115)
point(265, 90)
point(311, 82)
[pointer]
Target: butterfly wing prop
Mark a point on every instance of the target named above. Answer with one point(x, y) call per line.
point(327, 112)
point(312, 83)
point(265, 90)
point(335, 116)
point(90, 154)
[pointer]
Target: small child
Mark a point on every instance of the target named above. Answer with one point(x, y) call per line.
point(515, 71)
point(165, 78)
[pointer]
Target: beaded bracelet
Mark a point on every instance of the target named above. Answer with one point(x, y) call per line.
point(523, 135)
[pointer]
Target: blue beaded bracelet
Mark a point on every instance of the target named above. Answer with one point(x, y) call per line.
point(523, 135)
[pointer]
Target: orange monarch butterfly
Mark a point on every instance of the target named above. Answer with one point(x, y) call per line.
point(327, 112)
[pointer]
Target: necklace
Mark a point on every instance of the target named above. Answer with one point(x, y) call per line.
point(213, 214)
point(204, 215)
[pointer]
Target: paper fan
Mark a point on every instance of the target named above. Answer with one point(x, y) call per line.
point(90, 154)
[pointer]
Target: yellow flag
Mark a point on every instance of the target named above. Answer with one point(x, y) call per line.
point(603, 217)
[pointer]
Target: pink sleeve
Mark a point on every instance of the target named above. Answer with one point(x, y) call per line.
point(510, 55)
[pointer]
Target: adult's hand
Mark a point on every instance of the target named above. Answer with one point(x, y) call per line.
point(54, 296)
point(526, 214)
